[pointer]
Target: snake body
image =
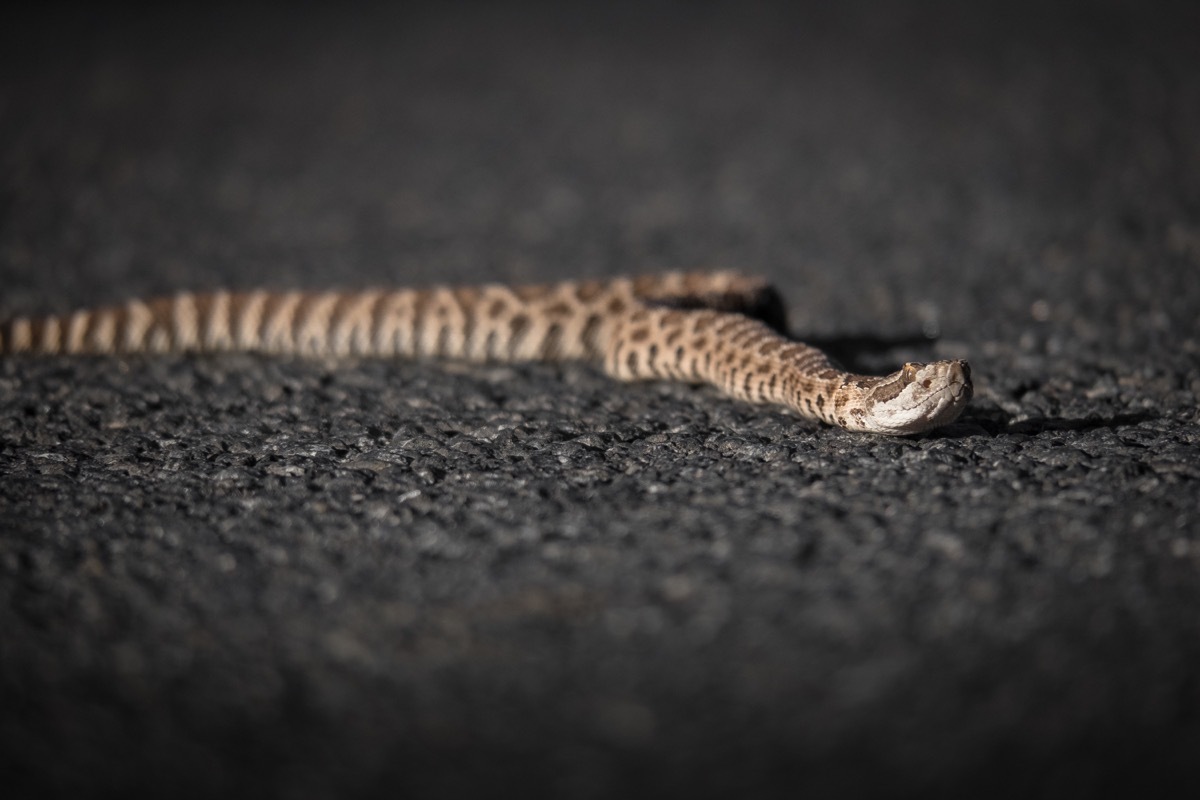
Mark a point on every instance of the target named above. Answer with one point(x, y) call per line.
point(720, 328)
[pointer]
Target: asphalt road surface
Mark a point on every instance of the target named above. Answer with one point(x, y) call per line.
point(243, 576)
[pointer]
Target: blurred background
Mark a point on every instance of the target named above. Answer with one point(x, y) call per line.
point(224, 577)
point(884, 162)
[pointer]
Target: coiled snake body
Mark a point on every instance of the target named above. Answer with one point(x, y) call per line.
point(720, 328)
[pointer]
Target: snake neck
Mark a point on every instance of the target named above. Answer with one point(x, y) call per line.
point(751, 361)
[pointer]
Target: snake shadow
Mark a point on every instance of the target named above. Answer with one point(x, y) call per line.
point(867, 354)
point(992, 420)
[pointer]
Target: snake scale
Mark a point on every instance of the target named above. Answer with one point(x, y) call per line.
point(720, 328)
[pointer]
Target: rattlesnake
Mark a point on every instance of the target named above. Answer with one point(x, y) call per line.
point(720, 328)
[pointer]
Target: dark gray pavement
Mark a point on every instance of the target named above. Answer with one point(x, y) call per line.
point(238, 576)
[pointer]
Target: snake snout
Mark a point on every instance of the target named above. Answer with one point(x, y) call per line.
point(964, 374)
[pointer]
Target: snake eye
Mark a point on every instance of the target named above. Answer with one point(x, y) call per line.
point(910, 371)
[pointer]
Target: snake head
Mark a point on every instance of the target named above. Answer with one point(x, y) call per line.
point(917, 398)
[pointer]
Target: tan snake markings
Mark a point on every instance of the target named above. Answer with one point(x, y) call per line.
point(719, 328)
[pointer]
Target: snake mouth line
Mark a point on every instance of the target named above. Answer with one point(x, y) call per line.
point(958, 390)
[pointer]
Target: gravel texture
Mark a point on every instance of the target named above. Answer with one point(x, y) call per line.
point(236, 575)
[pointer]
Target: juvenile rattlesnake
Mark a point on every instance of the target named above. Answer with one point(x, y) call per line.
point(719, 328)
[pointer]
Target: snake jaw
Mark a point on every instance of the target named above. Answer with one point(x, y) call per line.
point(931, 395)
